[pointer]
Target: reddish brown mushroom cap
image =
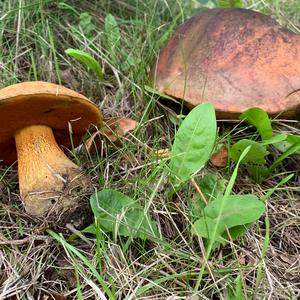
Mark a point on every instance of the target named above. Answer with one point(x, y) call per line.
point(234, 58)
point(42, 103)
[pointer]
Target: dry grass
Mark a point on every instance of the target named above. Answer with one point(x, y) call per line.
point(34, 265)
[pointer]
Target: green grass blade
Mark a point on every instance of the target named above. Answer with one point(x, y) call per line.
point(77, 253)
point(214, 233)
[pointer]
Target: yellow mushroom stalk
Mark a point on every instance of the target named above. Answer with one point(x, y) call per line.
point(47, 178)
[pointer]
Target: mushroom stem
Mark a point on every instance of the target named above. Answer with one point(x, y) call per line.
point(47, 177)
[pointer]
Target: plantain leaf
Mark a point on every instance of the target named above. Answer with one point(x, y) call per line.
point(256, 154)
point(194, 143)
point(121, 215)
point(237, 210)
point(112, 31)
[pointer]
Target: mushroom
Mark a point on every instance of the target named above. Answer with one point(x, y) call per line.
point(234, 58)
point(35, 118)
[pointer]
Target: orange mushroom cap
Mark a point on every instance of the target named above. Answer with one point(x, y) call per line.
point(42, 103)
point(234, 58)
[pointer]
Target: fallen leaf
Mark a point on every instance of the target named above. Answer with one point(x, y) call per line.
point(219, 159)
point(112, 131)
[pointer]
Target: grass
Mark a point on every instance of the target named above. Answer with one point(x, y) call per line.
point(34, 264)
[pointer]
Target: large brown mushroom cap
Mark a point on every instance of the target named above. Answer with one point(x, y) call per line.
point(234, 58)
point(43, 103)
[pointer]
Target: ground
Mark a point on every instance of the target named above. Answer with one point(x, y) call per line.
point(36, 263)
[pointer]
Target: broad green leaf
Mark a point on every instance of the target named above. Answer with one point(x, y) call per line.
point(275, 139)
point(289, 142)
point(237, 210)
point(194, 142)
point(293, 139)
point(236, 232)
point(86, 24)
point(257, 172)
point(112, 31)
point(229, 3)
point(214, 230)
point(121, 215)
point(256, 154)
point(260, 119)
point(211, 188)
point(87, 60)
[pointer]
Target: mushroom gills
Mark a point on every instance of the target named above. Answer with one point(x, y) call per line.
point(49, 182)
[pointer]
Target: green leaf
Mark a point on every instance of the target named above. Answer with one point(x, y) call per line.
point(113, 36)
point(112, 31)
point(275, 139)
point(90, 229)
point(260, 119)
point(194, 142)
point(121, 215)
point(256, 154)
point(237, 210)
point(214, 232)
point(236, 232)
point(87, 60)
point(289, 142)
point(229, 3)
point(257, 172)
point(293, 139)
point(86, 24)
point(211, 188)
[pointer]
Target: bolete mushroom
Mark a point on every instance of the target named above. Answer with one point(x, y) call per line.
point(35, 119)
point(234, 58)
